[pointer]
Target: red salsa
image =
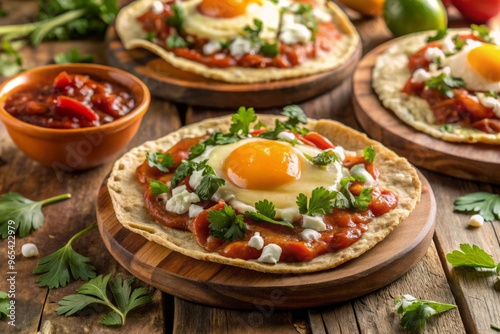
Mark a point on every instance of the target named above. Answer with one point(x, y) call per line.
point(344, 226)
point(70, 101)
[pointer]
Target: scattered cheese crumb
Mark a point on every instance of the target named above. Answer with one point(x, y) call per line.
point(313, 222)
point(195, 179)
point(211, 47)
point(195, 210)
point(476, 221)
point(360, 170)
point(181, 200)
point(285, 135)
point(29, 250)
point(310, 235)
point(256, 241)
point(270, 254)
point(157, 7)
point(295, 33)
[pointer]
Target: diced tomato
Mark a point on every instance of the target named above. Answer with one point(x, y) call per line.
point(303, 140)
point(413, 87)
point(256, 133)
point(382, 202)
point(254, 61)
point(66, 104)
point(61, 80)
point(473, 107)
point(319, 141)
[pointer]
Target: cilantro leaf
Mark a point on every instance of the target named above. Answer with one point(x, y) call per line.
point(459, 43)
point(444, 83)
point(184, 170)
point(11, 61)
point(217, 138)
point(55, 268)
point(176, 41)
point(440, 34)
point(209, 183)
point(242, 119)
point(270, 50)
point(225, 224)
point(484, 203)
point(319, 203)
point(416, 312)
point(26, 214)
point(157, 187)
point(295, 115)
point(72, 56)
point(324, 158)
point(482, 32)
point(4, 304)
point(369, 153)
point(177, 19)
point(95, 291)
point(471, 256)
point(266, 212)
point(363, 199)
point(160, 160)
point(492, 94)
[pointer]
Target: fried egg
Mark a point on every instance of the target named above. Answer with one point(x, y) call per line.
point(478, 64)
point(224, 20)
point(257, 169)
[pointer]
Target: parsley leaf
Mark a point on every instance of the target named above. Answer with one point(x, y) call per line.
point(266, 212)
point(242, 119)
point(471, 256)
point(445, 83)
point(484, 203)
point(369, 153)
point(209, 183)
point(265, 48)
point(176, 41)
point(11, 61)
point(177, 19)
point(4, 304)
point(324, 158)
point(295, 115)
point(225, 224)
point(304, 10)
point(72, 56)
point(361, 201)
point(26, 214)
point(440, 34)
point(160, 161)
point(185, 169)
point(416, 312)
point(55, 267)
point(217, 138)
point(157, 187)
point(459, 43)
point(482, 32)
point(319, 203)
point(492, 94)
point(95, 291)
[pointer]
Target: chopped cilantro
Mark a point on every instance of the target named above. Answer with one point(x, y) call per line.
point(369, 153)
point(177, 19)
point(440, 34)
point(445, 83)
point(482, 32)
point(324, 158)
point(225, 224)
point(160, 161)
point(459, 43)
point(176, 41)
point(242, 120)
point(209, 183)
point(319, 203)
point(266, 212)
point(157, 187)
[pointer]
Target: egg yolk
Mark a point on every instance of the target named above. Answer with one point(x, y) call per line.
point(262, 165)
point(225, 8)
point(485, 60)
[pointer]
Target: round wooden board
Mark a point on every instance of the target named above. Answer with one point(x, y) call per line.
point(479, 162)
point(236, 288)
point(167, 82)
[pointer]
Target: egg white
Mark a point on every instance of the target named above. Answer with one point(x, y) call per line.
point(284, 196)
point(459, 67)
point(227, 29)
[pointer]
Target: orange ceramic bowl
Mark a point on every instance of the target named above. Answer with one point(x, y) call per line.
point(82, 148)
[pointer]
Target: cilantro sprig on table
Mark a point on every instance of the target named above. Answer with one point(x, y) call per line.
point(225, 224)
point(417, 312)
point(472, 256)
point(72, 56)
point(56, 267)
point(484, 203)
point(95, 292)
point(266, 212)
point(26, 214)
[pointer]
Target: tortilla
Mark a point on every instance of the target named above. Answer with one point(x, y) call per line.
point(396, 175)
point(132, 36)
point(390, 74)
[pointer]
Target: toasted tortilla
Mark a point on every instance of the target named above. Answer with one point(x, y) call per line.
point(132, 36)
point(389, 76)
point(396, 175)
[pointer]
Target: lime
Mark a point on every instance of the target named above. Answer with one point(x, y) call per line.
point(407, 16)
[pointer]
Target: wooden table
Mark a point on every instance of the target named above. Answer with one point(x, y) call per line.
point(432, 277)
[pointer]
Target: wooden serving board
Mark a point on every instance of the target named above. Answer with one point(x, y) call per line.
point(167, 82)
point(479, 162)
point(236, 288)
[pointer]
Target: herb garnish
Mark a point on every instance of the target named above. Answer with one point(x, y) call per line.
point(265, 48)
point(459, 43)
point(296, 116)
point(225, 224)
point(95, 291)
point(4, 304)
point(369, 153)
point(241, 120)
point(26, 214)
point(157, 187)
point(445, 83)
point(361, 201)
point(484, 203)
point(482, 32)
point(307, 18)
point(319, 203)
point(209, 183)
point(266, 212)
point(416, 312)
point(472, 256)
point(177, 19)
point(176, 41)
point(440, 34)
point(160, 161)
point(55, 268)
point(72, 56)
point(324, 158)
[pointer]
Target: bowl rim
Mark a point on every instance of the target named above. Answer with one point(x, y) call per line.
point(138, 110)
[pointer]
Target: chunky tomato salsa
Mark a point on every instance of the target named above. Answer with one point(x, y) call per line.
point(347, 213)
point(163, 26)
point(70, 101)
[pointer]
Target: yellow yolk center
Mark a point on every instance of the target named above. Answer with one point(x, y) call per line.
point(485, 60)
point(225, 8)
point(262, 165)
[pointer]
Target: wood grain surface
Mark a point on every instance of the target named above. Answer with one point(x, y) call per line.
point(226, 286)
point(170, 83)
point(480, 162)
